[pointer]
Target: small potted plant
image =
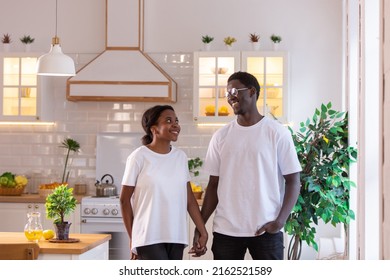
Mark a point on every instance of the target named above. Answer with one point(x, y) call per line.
point(59, 204)
point(27, 40)
point(229, 42)
point(255, 40)
point(276, 39)
point(71, 146)
point(193, 165)
point(207, 41)
point(6, 40)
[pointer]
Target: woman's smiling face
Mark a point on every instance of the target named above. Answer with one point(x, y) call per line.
point(168, 127)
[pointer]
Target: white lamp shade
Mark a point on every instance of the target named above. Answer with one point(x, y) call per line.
point(55, 63)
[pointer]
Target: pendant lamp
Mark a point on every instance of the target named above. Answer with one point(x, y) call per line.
point(55, 63)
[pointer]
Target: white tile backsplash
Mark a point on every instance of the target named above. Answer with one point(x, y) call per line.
point(24, 149)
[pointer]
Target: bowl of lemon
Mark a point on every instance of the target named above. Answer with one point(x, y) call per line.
point(197, 190)
point(222, 111)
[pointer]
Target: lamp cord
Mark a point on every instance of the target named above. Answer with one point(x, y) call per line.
point(56, 15)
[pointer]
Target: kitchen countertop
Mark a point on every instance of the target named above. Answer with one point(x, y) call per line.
point(29, 198)
point(86, 243)
point(35, 198)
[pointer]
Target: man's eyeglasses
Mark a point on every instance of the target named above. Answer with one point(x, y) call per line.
point(234, 92)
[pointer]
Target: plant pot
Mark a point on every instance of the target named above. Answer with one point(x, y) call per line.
point(6, 47)
point(255, 46)
point(27, 47)
point(62, 230)
point(206, 46)
point(229, 47)
point(276, 46)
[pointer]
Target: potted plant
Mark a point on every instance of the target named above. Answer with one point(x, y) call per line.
point(207, 41)
point(6, 40)
point(193, 165)
point(325, 156)
point(59, 204)
point(27, 40)
point(276, 39)
point(72, 146)
point(229, 42)
point(255, 40)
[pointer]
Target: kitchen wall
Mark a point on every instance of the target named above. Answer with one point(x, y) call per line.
point(311, 31)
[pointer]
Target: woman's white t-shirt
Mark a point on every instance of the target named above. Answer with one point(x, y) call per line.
point(250, 162)
point(160, 196)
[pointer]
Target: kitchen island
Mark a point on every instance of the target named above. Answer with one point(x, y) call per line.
point(90, 246)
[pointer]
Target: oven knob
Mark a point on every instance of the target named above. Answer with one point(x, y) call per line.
point(94, 211)
point(106, 212)
point(87, 211)
point(114, 212)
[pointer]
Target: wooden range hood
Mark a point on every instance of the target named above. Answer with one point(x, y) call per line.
point(123, 72)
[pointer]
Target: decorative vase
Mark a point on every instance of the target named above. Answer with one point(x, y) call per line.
point(33, 230)
point(255, 46)
point(62, 230)
point(229, 47)
point(276, 46)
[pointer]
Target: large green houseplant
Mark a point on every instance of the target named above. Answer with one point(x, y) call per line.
point(59, 204)
point(325, 156)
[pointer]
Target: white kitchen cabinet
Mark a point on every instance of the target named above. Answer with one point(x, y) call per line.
point(24, 96)
point(13, 216)
point(212, 70)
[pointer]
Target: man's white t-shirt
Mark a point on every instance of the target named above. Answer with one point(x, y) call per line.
point(160, 196)
point(250, 162)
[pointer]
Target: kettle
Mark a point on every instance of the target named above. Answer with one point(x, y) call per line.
point(105, 189)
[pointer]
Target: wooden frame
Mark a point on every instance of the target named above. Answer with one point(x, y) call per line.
point(123, 72)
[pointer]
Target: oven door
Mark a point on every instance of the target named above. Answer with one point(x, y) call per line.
point(119, 245)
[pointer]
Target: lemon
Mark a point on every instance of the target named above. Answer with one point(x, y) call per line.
point(48, 234)
point(223, 109)
point(195, 187)
point(210, 109)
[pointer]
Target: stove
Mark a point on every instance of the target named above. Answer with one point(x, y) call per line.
point(104, 215)
point(100, 207)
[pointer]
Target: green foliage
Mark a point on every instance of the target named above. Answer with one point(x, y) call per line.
point(70, 145)
point(194, 164)
point(325, 156)
point(27, 39)
point(275, 38)
point(229, 40)
point(207, 39)
point(60, 203)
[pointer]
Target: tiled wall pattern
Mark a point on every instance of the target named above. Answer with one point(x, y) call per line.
point(35, 149)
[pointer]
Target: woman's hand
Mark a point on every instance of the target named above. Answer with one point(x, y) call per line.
point(199, 244)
